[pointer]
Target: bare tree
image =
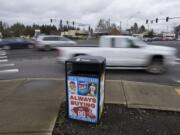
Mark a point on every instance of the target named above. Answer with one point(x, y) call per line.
point(103, 26)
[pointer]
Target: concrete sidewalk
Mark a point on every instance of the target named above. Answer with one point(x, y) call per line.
point(30, 106)
point(143, 95)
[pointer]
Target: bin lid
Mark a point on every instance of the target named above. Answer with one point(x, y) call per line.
point(87, 59)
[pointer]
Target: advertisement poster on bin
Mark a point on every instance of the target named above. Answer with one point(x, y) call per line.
point(83, 98)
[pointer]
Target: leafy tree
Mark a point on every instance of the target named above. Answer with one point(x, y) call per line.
point(29, 31)
point(17, 29)
point(135, 28)
point(142, 29)
point(103, 26)
point(150, 34)
point(177, 30)
point(1, 26)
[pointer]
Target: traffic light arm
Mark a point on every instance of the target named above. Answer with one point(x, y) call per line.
point(157, 19)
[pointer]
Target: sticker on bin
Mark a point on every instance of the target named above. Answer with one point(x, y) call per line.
point(83, 98)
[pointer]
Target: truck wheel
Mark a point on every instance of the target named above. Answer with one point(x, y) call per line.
point(156, 67)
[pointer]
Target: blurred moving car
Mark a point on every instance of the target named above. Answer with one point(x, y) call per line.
point(157, 39)
point(49, 42)
point(15, 43)
point(125, 52)
point(146, 39)
point(168, 38)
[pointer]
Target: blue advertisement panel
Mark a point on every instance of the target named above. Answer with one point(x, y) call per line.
point(83, 98)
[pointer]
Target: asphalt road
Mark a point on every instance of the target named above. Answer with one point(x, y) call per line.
point(28, 63)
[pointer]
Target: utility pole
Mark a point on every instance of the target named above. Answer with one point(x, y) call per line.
point(127, 24)
point(120, 25)
point(60, 26)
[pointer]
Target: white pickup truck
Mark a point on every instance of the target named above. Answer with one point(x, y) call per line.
point(125, 52)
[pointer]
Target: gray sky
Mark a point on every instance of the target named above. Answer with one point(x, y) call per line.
point(90, 11)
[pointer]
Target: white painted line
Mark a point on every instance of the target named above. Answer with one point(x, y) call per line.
point(2, 51)
point(3, 57)
point(5, 60)
point(178, 59)
point(178, 81)
point(2, 54)
point(7, 65)
point(10, 71)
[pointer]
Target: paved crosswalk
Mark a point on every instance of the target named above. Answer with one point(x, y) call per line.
point(5, 66)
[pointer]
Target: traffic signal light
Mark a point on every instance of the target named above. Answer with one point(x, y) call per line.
point(60, 22)
point(156, 20)
point(67, 22)
point(147, 21)
point(167, 19)
point(51, 20)
point(73, 23)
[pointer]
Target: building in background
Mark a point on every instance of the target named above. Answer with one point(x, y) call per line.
point(37, 32)
point(76, 34)
point(169, 36)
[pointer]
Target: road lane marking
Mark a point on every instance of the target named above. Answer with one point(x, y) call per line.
point(10, 71)
point(3, 57)
point(2, 50)
point(178, 91)
point(5, 60)
point(7, 65)
point(2, 54)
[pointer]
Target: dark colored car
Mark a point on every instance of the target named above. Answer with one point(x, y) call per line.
point(15, 43)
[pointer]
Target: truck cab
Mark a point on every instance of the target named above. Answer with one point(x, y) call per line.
point(124, 51)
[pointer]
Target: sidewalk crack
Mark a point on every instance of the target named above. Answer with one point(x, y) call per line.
point(123, 87)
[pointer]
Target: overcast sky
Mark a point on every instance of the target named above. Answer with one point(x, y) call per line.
point(90, 11)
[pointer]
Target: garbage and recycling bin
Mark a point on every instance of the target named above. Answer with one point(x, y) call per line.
point(85, 77)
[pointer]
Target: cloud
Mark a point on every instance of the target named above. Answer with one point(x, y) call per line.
point(87, 11)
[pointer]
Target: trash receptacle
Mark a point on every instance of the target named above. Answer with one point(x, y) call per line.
point(85, 77)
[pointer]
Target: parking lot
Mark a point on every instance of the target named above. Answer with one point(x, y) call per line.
point(29, 63)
